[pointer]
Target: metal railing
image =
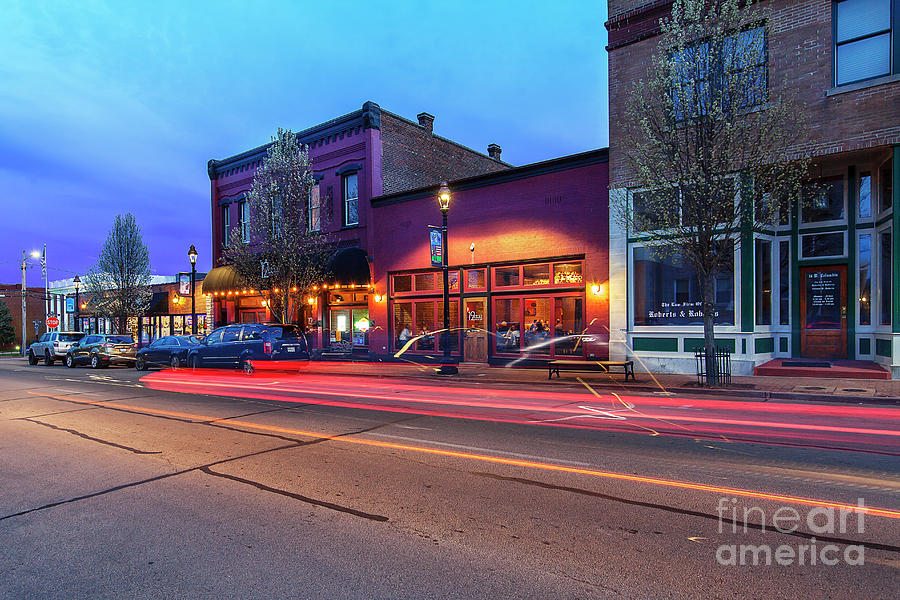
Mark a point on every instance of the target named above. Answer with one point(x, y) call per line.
point(721, 364)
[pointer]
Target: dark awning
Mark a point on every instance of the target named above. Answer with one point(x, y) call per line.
point(223, 279)
point(159, 304)
point(349, 266)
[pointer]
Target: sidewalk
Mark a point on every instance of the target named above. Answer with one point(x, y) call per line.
point(759, 388)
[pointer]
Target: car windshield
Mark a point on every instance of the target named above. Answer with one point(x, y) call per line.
point(70, 337)
point(284, 332)
point(119, 339)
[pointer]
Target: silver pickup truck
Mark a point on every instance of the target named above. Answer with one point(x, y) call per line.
point(51, 346)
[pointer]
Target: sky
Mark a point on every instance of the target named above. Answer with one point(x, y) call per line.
point(115, 107)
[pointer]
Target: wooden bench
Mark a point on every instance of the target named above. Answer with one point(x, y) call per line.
point(604, 366)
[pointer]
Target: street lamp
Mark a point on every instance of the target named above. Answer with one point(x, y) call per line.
point(447, 366)
point(34, 254)
point(192, 254)
point(77, 282)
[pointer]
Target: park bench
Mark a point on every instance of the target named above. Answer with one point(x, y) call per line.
point(604, 366)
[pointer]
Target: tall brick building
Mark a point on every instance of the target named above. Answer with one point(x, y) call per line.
point(824, 282)
point(355, 157)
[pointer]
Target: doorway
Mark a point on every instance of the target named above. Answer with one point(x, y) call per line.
point(823, 312)
point(475, 347)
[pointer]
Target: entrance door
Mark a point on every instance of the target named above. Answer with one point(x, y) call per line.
point(823, 312)
point(475, 348)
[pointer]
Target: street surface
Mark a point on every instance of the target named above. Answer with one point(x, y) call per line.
point(175, 484)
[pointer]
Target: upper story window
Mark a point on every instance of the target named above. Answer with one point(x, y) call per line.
point(314, 209)
point(226, 225)
point(245, 221)
point(862, 39)
point(351, 200)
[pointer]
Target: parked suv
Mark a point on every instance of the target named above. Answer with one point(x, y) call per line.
point(242, 345)
point(51, 346)
point(102, 350)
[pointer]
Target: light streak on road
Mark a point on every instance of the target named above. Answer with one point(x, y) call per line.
point(342, 439)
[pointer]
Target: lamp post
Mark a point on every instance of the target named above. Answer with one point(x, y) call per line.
point(34, 254)
point(192, 254)
point(77, 282)
point(447, 366)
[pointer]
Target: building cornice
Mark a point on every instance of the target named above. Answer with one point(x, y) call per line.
point(637, 24)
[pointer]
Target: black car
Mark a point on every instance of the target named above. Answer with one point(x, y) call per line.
point(241, 345)
point(102, 350)
point(171, 350)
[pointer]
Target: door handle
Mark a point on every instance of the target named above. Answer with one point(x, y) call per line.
point(844, 311)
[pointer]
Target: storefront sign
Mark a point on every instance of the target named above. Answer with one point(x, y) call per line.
point(437, 246)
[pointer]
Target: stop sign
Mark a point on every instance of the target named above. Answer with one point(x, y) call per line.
point(52, 322)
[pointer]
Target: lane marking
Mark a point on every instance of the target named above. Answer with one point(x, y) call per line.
point(477, 449)
point(671, 483)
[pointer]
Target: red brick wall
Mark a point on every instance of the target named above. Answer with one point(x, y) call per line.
point(34, 307)
point(413, 157)
point(800, 60)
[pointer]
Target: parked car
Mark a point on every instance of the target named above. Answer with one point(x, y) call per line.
point(102, 350)
point(52, 345)
point(171, 350)
point(242, 345)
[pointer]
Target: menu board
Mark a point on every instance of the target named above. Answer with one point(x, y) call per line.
point(823, 300)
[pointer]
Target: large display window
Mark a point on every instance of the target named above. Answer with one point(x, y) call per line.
point(546, 325)
point(422, 318)
point(667, 288)
point(426, 283)
point(560, 274)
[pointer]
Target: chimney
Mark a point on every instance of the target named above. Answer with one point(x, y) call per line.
point(426, 121)
point(494, 151)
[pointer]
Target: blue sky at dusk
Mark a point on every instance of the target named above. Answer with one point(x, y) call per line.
point(114, 107)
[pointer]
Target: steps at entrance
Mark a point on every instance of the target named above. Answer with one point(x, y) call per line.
point(826, 369)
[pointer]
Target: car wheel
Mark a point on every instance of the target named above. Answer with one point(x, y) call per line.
point(175, 362)
point(48, 360)
point(95, 361)
point(70, 361)
point(140, 364)
point(32, 359)
point(247, 367)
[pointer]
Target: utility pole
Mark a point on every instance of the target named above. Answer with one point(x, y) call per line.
point(24, 318)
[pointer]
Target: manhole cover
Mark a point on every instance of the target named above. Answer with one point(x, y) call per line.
point(854, 390)
point(810, 387)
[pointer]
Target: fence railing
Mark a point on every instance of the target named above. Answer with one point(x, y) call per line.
point(721, 367)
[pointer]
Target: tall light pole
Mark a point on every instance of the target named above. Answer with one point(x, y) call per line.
point(46, 288)
point(77, 282)
point(447, 366)
point(192, 254)
point(34, 254)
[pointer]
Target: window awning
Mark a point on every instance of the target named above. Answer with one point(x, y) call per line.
point(350, 266)
point(222, 280)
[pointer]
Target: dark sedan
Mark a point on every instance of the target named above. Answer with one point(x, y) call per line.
point(242, 345)
point(101, 350)
point(171, 351)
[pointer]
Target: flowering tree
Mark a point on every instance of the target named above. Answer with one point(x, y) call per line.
point(281, 250)
point(709, 143)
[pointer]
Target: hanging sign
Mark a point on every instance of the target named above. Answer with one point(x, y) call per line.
point(184, 284)
point(70, 305)
point(437, 246)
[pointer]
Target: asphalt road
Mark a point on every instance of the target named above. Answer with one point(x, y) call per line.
point(118, 484)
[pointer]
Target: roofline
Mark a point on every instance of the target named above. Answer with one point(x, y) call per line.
point(442, 138)
point(553, 165)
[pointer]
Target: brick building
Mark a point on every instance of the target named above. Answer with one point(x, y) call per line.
point(11, 295)
point(528, 261)
point(355, 157)
point(824, 282)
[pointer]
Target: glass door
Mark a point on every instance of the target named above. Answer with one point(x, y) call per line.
point(475, 344)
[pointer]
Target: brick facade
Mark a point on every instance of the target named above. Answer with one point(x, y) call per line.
point(34, 311)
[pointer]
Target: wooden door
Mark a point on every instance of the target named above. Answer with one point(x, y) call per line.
point(823, 312)
point(475, 346)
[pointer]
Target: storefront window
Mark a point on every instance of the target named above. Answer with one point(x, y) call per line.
point(507, 325)
point(865, 279)
point(763, 282)
point(886, 289)
point(475, 279)
point(884, 177)
point(506, 276)
point(784, 283)
point(823, 201)
point(567, 273)
point(864, 195)
point(453, 335)
point(667, 289)
point(402, 283)
point(819, 245)
point(425, 282)
point(538, 324)
point(425, 324)
point(403, 323)
point(569, 325)
point(536, 274)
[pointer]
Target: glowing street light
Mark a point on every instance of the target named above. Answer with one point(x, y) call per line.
point(447, 366)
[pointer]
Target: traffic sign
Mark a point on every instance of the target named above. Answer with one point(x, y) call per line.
point(52, 322)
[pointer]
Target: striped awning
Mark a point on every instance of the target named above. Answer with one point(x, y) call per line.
point(222, 280)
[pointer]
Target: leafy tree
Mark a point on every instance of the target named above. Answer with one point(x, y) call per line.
point(282, 251)
point(711, 143)
point(7, 331)
point(119, 284)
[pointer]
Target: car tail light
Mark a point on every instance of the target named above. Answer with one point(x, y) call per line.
point(267, 347)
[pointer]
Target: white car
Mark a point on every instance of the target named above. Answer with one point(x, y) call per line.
point(51, 346)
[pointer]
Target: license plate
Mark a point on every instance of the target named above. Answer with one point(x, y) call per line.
point(290, 349)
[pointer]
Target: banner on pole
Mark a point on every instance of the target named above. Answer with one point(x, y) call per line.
point(437, 246)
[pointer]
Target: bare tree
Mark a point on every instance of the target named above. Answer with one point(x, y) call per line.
point(709, 142)
point(119, 284)
point(281, 250)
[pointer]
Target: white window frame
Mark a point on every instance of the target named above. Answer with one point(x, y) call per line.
point(800, 256)
point(816, 224)
point(347, 200)
point(314, 224)
point(244, 212)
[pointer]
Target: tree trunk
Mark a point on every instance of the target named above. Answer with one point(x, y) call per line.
point(707, 285)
